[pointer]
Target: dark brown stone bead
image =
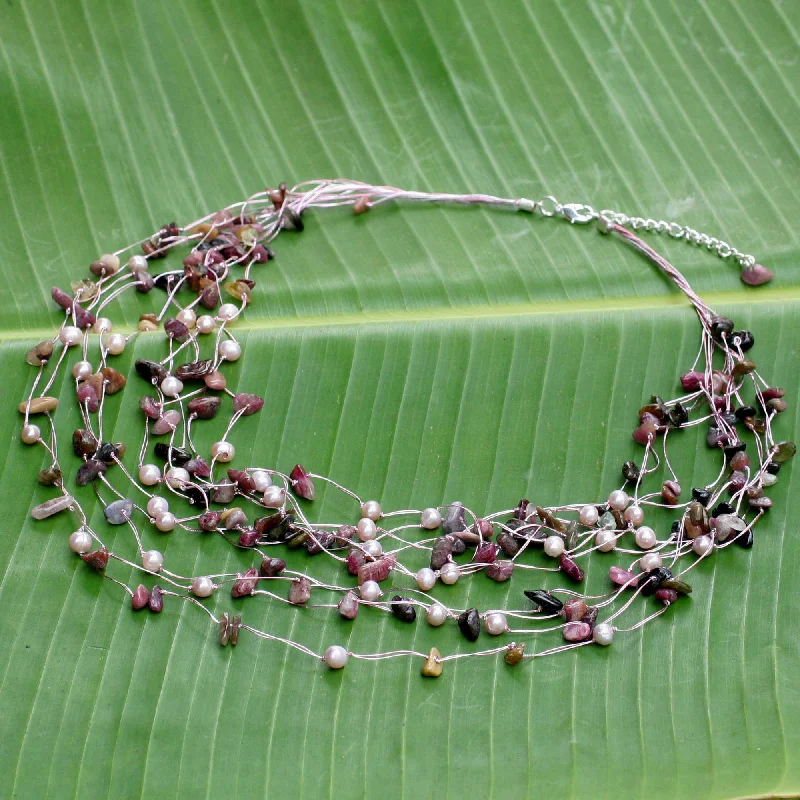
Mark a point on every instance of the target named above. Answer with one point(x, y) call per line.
point(405, 611)
point(156, 601)
point(545, 601)
point(209, 521)
point(302, 485)
point(321, 540)
point(299, 591)
point(671, 492)
point(109, 452)
point(570, 568)
point(270, 567)
point(274, 526)
point(204, 407)
point(242, 479)
point(97, 558)
point(458, 544)
point(175, 329)
point(591, 615)
point(514, 654)
point(113, 380)
point(177, 456)
point(441, 552)
point(144, 281)
point(246, 583)
point(210, 297)
point(89, 471)
point(224, 493)
point(630, 471)
point(508, 543)
point(291, 220)
point(39, 355)
point(666, 596)
point(84, 444)
point(141, 597)
point(248, 538)
point(198, 468)
point(194, 370)
point(150, 371)
point(469, 623)
point(454, 519)
point(500, 571)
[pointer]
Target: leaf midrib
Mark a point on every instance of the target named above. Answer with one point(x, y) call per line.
point(447, 313)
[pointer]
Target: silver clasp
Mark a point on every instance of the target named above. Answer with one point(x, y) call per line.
point(578, 213)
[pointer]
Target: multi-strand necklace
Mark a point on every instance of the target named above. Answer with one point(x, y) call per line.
point(176, 487)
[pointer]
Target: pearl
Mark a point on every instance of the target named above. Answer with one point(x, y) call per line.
point(650, 561)
point(589, 515)
point(373, 548)
point(149, 474)
point(371, 510)
point(227, 311)
point(223, 451)
point(187, 317)
point(495, 624)
point(30, 434)
point(230, 350)
point(70, 335)
point(335, 656)
point(102, 325)
point(618, 499)
point(137, 263)
point(165, 522)
point(274, 496)
point(703, 545)
point(605, 541)
point(370, 591)
point(426, 579)
point(554, 546)
point(171, 386)
point(177, 476)
point(603, 634)
point(646, 537)
point(436, 615)
point(82, 370)
point(430, 519)
point(202, 587)
point(205, 324)
point(261, 479)
point(634, 516)
point(366, 529)
point(80, 542)
point(115, 343)
point(152, 560)
point(450, 573)
point(111, 261)
point(156, 506)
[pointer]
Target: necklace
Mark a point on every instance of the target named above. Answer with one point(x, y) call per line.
point(373, 545)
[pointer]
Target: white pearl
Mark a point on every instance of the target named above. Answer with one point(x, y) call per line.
point(223, 451)
point(650, 561)
point(495, 624)
point(80, 542)
point(589, 515)
point(603, 634)
point(227, 311)
point(436, 615)
point(152, 560)
point(177, 476)
point(171, 386)
point(274, 497)
point(618, 499)
point(187, 317)
point(156, 506)
point(335, 656)
point(111, 261)
point(366, 529)
point(82, 370)
point(102, 325)
point(371, 510)
point(137, 263)
point(70, 335)
point(149, 475)
point(229, 350)
point(430, 519)
point(206, 324)
point(115, 344)
point(554, 546)
point(165, 522)
point(373, 548)
point(370, 591)
point(646, 537)
point(202, 587)
point(450, 573)
point(426, 579)
point(30, 434)
point(261, 479)
point(634, 515)
point(703, 545)
point(605, 541)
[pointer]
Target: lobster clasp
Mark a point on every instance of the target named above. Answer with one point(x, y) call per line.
point(578, 213)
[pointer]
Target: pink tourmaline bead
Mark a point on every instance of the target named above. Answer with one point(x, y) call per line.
point(692, 381)
point(245, 585)
point(299, 591)
point(247, 403)
point(500, 571)
point(151, 408)
point(756, 275)
point(156, 601)
point(209, 521)
point(575, 609)
point(97, 559)
point(270, 567)
point(570, 568)
point(355, 559)
point(242, 479)
point(375, 570)
point(577, 631)
point(348, 606)
point(486, 553)
point(645, 433)
point(484, 528)
point(166, 423)
point(302, 484)
point(621, 577)
point(248, 538)
point(141, 597)
point(87, 396)
point(667, 596)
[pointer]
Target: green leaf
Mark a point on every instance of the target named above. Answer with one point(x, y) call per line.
point(417, 355)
